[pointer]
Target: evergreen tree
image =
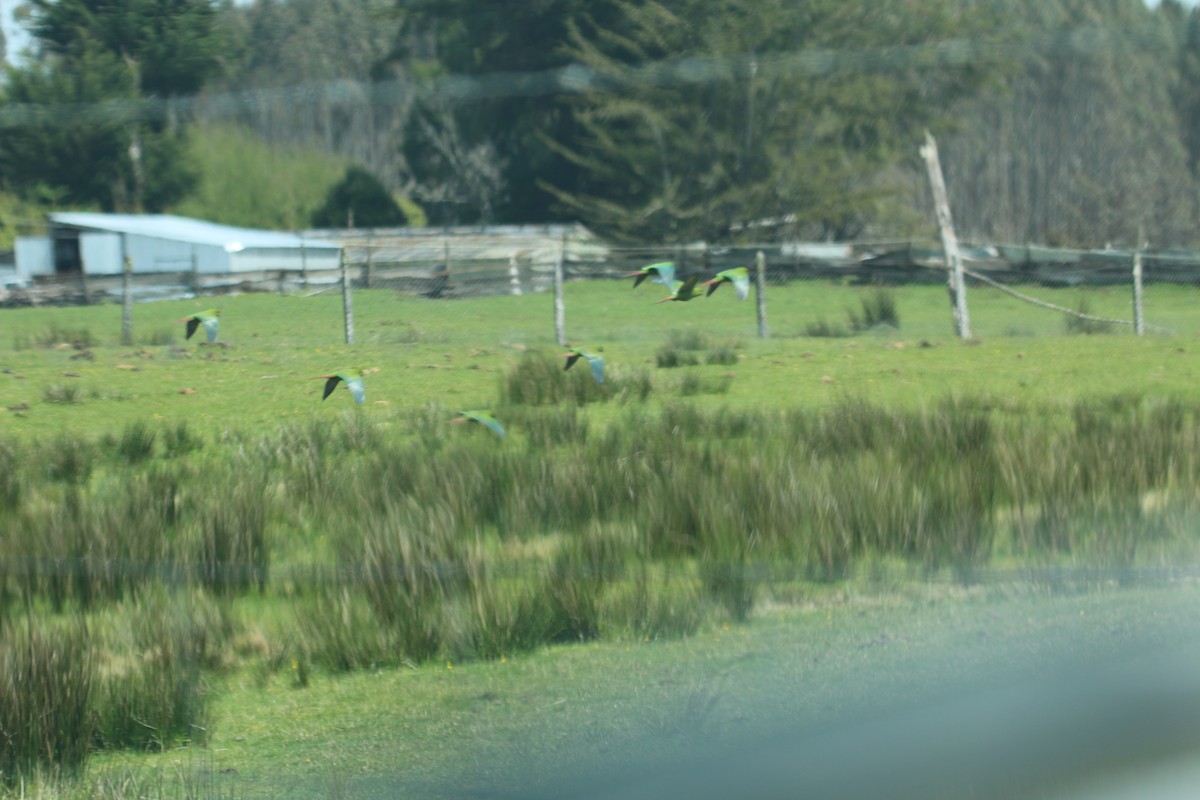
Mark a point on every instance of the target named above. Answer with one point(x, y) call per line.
point(484, 159)
point(1187, 95)
point(359, 200)
point(109, 58)
point(708, 117)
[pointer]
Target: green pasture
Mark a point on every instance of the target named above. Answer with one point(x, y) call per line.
point(451, 353)
point(264, 594)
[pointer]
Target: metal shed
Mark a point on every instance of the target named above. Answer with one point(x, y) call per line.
point(97, 244)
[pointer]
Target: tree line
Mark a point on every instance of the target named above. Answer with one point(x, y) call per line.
point(1059, 121)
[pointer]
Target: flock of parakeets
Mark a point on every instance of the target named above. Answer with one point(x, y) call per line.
point(662, 272)
point(684, 290)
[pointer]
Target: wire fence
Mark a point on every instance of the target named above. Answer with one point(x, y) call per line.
point(807, 289)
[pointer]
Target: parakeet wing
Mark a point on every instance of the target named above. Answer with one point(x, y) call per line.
point(597, 364)
point(740, 278)
point(485, 419)
point(666, 272)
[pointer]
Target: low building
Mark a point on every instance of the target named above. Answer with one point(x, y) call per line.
point(468, 260)
point(169, 254)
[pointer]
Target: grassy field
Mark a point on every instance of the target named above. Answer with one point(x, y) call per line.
point(358, 599)
point(452, 353)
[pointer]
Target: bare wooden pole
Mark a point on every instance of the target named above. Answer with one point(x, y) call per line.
point(560, 310)
point(370, 264)
point(195, 272)
point(760, 292)
point(347, 305)
point(954, 268)
point(1139, 318)
point(127, 302)
point(514, 275)
point(303, 266)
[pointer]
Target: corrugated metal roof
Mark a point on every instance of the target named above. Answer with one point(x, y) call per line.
point(186, 229)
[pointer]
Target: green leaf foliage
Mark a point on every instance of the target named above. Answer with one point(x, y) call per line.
point(245, 180)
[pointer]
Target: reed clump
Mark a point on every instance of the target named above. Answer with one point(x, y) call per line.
point(47, 678)
point(407, 539)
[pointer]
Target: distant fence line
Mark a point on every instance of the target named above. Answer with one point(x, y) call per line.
point(450, 269)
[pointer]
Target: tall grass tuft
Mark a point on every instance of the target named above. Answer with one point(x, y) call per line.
point(151, 691)
point(692, 383)
point(69, 459)
point(410, 560)
point(724, 356)
point(339, 631)
point(729, 580)
point(824, 329)
point(539, 379)
point(691, 340)
point(670, 357)
point(13, 458)
point(179, 440)
point(57, 335)
point(136, 443)
point(232, 551)
point(878, 309)
point(62, 394)
point(47, 676)
point(658, 601)
point(578, 575)
point(504, 616)
point(1087, 327)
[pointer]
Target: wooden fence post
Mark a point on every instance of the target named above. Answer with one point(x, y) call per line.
point(127, 302)
point(760, 292)
point(370, 264)
point(347, 306)
point(195, 272)
point(1139, 318)
point(514, 276)
point(560, 311)
point(954, 268)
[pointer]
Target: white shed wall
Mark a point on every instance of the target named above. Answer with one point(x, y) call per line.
point(33, 256)
point(101, 253)
point(267, 258)
point(151, 254)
